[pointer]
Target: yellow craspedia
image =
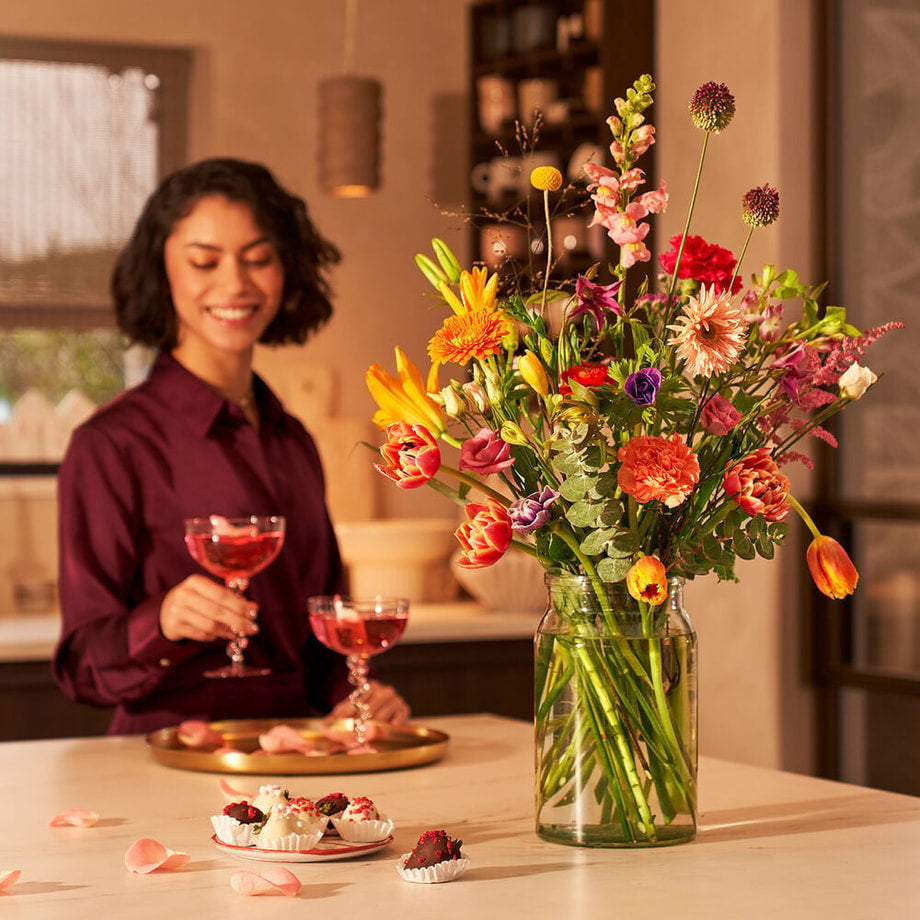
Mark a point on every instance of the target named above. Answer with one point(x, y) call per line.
point(546, 178)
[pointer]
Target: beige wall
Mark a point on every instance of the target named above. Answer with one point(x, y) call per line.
point(257, 67)
point(754, 707)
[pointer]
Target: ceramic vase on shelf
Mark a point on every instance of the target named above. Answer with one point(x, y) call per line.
point(616, 720)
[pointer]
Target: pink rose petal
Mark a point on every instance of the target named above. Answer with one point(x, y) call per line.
point(9, 877)
point(147, 855)
point(194, 733)
point(74, 817)
point(234, 795)
point(272, 880)
point(282, 738)
point(363, 749)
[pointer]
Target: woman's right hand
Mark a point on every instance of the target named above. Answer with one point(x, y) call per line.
point(200, 609)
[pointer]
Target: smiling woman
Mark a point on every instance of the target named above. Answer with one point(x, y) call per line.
point(222, 257)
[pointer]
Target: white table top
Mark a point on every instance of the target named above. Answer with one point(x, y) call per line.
point(771, 844)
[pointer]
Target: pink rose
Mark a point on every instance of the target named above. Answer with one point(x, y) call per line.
point(485, 453)
point(719, 416)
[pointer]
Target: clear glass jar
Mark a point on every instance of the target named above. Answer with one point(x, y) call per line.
point(615, 717)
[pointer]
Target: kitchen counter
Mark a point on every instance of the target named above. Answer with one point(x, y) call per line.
point(31, 637)
point(771, 844)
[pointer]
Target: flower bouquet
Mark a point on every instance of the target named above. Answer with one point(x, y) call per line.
point(633, 443)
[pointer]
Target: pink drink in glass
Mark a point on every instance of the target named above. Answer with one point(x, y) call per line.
point(232, 556)
point(358, 629)
point(235, 549)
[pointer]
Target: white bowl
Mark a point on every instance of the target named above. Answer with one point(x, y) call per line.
point(514, 584)
point(404, 557)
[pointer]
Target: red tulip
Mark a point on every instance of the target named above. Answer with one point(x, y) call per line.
point(486, 534)
point(647, 581)
point(831, 567)
point(411, 455)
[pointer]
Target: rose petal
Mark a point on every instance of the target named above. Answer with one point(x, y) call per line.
point(9, 877)
point(74, 817)
point(272, 880)
point(283, 738)
point(147, 855)
point(234, 795)
point(194, 733)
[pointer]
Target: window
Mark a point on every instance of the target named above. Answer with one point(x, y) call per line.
point(85, 133)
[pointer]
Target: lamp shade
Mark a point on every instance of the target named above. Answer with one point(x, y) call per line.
point(349, 135)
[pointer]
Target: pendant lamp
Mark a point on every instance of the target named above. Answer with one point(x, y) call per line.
point(349, 125)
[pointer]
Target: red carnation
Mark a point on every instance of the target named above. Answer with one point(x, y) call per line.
point(703, 262)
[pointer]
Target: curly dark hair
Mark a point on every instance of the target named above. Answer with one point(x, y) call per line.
point(140, 289)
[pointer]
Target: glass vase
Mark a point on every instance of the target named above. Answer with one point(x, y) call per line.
point(615, 717)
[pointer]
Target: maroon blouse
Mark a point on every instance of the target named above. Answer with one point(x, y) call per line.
point(169, 449)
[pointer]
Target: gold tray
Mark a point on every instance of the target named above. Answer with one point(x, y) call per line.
point(400, 746)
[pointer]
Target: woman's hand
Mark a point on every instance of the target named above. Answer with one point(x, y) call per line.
point(200, 609)
point(383, 702)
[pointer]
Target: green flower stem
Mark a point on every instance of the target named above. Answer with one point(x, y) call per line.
point(680, 252)
point(747, 240)
point(804, 515)
point(549, 249)
point(475, 483)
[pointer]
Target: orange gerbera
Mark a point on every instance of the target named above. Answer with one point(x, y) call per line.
point(476, 334)
point(710, 334)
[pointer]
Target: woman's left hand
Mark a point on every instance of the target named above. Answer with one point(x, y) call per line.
point(383, 702)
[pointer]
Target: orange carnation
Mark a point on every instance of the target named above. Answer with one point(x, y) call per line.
point(658, 469)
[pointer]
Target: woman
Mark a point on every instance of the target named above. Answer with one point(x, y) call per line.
point(221, 258)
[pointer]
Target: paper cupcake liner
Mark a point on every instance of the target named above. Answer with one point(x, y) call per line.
point(229, 830)
point(445, 871)
point(363, 831)
point(289, 843)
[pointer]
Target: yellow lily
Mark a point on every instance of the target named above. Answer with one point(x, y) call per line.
point(404, 399)
point(477, 291)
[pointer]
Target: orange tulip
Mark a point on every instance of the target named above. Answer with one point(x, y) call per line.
point(647, 581)
point(485, 535)
point(831, 567)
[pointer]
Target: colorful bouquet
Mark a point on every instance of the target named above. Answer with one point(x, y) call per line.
point(636, 441)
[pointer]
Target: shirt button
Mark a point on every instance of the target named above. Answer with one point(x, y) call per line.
point(165, 662)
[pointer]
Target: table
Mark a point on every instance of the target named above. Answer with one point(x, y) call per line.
point(771, 844)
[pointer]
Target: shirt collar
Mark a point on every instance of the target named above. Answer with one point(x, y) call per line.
point(200, 405)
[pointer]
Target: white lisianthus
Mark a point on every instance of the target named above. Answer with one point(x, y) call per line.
point(855, 380)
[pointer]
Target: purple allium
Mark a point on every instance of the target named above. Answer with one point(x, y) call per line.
point(532, 511)
point(642, 386)
point(760, 206)
point(712, 107)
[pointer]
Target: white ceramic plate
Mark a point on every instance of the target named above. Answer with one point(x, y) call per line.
point(325, 851)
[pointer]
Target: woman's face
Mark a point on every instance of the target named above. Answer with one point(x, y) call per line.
point(225, 277)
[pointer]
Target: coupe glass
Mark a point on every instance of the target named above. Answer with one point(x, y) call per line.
point(358, 629)
point(235, 549)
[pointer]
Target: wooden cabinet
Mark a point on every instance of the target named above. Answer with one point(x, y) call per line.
point(438, 678)
point(543, 79)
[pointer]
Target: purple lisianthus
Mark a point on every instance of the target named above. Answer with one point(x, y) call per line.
point(596, 299)
point(532, 511)
point(642, 387)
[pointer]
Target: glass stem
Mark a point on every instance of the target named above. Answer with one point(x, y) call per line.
point(358, 669)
